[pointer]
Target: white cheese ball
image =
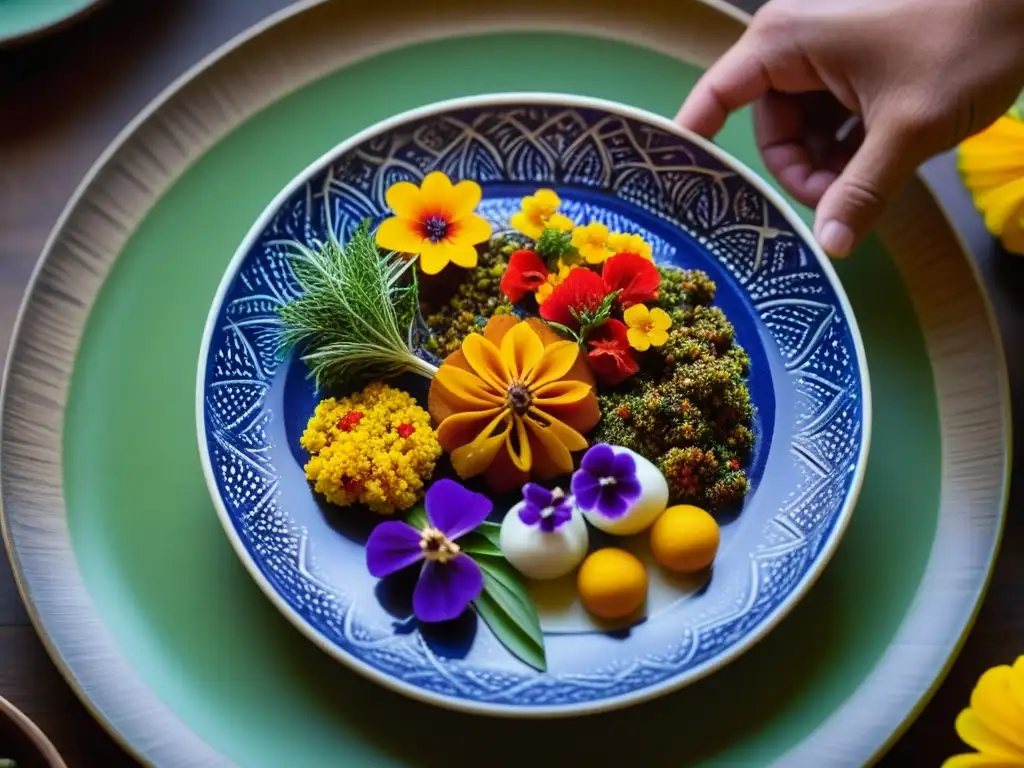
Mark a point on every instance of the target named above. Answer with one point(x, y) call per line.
point(540, 554)
point(642, 512)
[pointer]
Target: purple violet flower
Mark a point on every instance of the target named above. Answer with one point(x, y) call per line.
point(606, 482)
point(550, 509)
point(449, 579)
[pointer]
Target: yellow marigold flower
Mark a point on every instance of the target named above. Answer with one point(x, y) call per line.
point(994, 722)
point(647, 328)
point(621, 242)
point(592, 242)
point(554, 280)
point(991, 163)
point(538, 212)
point(375, 447)
point(435, 221)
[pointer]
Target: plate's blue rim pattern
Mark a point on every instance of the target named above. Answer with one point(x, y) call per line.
point(543, 141)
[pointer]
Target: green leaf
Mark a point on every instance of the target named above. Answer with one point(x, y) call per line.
point(492, 531)
point(507, 609)
point(563, 329)
point(475, 543)
point(417, 517)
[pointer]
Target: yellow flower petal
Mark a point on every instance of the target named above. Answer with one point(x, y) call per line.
point(561, 222)
point(558, 360)
point(559, 460)
point(564, 392)
point(656, 337)
point(621, 242)
point(434, 256)
point(436, 189)
point(400, 235)
point(461, 429)
point(1000, 204)
point(465, 197)
point(994, 703)
point(978, 760)
point(474, 458)
point(405, 199)
point(463, 255)
point(638, 339)
point(523, 223)
point(472, 229)
point(594, 254)
point(485, 360)
point(521, 351)
point(517, 442)
point(975, 733)
point(660, 319)
point(637, 316)
point(547, 200)
point(467, 390)
point(1017, 681)
point(566, 435)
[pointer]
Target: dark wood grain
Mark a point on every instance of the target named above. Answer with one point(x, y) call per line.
point(64, 98)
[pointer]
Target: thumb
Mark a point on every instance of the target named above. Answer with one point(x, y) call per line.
point(853, 202)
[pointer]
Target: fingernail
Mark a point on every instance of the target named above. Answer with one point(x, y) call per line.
point(836, 239)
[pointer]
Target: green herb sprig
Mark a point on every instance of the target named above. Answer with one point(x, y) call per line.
point(504, 605)
point(357, 314)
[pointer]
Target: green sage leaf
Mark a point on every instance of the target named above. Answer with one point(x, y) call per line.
point(507, 609)
point(478, 543)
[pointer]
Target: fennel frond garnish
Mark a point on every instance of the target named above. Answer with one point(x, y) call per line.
point(357, 314)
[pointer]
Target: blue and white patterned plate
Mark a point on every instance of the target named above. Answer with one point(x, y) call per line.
point(637, 172)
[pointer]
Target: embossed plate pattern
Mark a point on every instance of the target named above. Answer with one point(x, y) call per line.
point(635, 172)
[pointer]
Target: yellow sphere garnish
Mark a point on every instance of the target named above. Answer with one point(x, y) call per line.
point(612, 583)
point(375, 447)
point(685, 539)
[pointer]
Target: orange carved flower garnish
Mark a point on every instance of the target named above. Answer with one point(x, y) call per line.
point(513, 403)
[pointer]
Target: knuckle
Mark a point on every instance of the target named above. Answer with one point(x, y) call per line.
point(775, 23)
point(862, 196)
point(919, 120)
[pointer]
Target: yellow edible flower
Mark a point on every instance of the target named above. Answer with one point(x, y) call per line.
point(539, 211)
point(513, 403)
point(554, 280)
point(435, 221)
point(992, 165)
point(375, 447)
point(592, 242)
point(647, 328)
point(621, 242)
point(994, 722)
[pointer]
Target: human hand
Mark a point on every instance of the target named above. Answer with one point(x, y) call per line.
point(920, 74)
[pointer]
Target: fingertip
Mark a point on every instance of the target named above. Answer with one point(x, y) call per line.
point(701, 113)
point(836, 238)
point(734, 81)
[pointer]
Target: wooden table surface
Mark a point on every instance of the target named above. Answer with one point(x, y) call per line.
point(64, 98)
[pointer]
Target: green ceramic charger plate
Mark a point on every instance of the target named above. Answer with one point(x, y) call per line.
point(21, 19)
point(133, 585)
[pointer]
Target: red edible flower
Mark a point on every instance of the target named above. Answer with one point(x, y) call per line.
point(582, 291)
point(635, 276)
point(526, 272)
point(404, 430)
point(610, 355)
point(349, 420)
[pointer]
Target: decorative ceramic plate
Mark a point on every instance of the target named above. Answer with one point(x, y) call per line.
point(780, 501)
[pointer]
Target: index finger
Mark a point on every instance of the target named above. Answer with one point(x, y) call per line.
point(738, 78)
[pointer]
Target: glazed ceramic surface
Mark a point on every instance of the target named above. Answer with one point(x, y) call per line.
point(699, 209)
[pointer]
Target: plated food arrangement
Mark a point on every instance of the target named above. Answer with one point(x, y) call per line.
point(530, 407)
